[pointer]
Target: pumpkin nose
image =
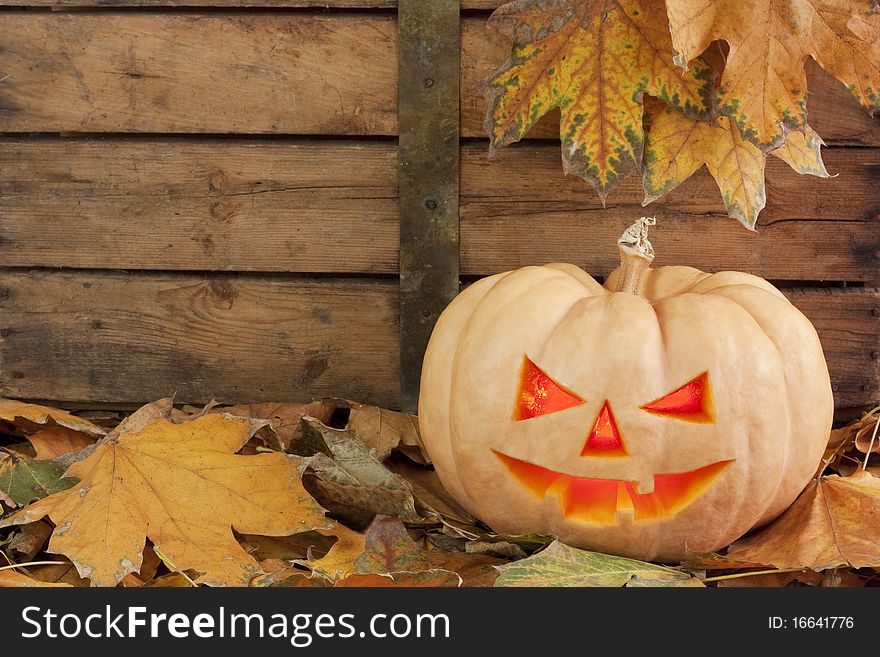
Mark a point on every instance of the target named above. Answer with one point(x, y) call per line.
point(604, 439)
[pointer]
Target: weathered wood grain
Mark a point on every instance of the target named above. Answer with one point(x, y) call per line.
point(428, 177)
point(268, 4)
point(98, 336)
point(331, 207)
point(248, 73)
point(519, 209)
point(199, 205)
point(848, 323)
point(260, 73)
point(129, 338)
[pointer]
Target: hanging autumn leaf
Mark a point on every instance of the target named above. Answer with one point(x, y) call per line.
point(676, 146)
point(835, 522)
point(594, 59)
point(183, 487)
point(764, 84)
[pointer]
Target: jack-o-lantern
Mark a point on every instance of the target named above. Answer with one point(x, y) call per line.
point(668, 411)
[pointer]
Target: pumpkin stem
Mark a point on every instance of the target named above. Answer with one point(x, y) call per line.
point(636, 255)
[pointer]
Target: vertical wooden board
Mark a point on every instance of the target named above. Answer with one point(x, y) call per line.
point(281, 206)
point(214, 73)
point(428, 177)
point(115, 337)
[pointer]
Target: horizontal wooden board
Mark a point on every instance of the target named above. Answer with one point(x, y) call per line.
point(259, 73)
point(105, 336)
point(518, 209)
point(205, 205)
point(848, 324)
point(331, 207)
point(129, 338)
point(250, 73)
point(268, 4)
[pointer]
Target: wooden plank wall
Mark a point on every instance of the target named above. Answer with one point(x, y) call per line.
point(204, 201)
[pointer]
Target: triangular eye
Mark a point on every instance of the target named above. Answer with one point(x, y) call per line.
point(540, 395)
point(691, 402)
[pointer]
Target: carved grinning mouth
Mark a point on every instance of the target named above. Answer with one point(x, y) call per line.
point(610, 501)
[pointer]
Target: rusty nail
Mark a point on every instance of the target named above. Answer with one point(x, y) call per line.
point(428, 82)
point(431, 204)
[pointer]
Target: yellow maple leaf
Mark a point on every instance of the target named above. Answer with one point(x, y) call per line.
point(677, 146)
point(183, 487)
point(338, 563)
point(764, 84)
point(594, 59)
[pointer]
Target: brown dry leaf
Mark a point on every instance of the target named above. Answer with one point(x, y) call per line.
point(146, 415)
point(867, 438)
point(183, 487)
point(424, 578)
point(385, 430)
point(57, 441)
point(845, 437)
point(764, 85)
point(430, 496)
point(11, 579)
point(390, 549)
point(169, 581)
point(773, 580)
point(284, 417)
point(29, 540)
point(349, 481)
point(713, 561)
point(339, 561)
point(64, 573)
point(287, 548)
point(835, 522)
point(32, 417)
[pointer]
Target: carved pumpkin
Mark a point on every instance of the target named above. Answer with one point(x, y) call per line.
point(668, 411)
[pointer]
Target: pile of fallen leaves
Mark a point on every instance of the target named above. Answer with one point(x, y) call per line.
point(335, 493)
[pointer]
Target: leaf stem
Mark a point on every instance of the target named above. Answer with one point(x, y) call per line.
point(32, 563)
point(718, 578)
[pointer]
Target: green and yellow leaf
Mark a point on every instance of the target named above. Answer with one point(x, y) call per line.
point(562, 565)
point(594, 59)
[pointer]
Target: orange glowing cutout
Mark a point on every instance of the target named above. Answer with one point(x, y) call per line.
point(540, 395)
point(610, 501)
point(691, 402)
point(604, 439)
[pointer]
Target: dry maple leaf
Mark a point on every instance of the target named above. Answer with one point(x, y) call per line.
point(183, 487)
point(593, 59)
point(32, 417)
point(12, 579)
point(835, 522)
point(677, 146)
point(764, 84)
point(57, 441)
